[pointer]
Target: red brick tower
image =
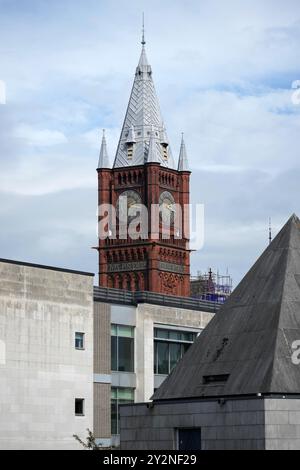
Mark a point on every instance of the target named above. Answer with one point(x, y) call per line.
point(144, 173)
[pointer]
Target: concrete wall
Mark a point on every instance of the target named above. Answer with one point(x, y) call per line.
point(237, 424)
point(262, 423)
point(102, 413)
point(41, 372)
point(147, 317)
point(282, 419)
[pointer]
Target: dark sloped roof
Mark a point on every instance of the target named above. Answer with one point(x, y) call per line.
point(246, 347)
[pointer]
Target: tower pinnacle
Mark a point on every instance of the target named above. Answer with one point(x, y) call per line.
point(103, 157)
point(183, 164)
point(143, 32)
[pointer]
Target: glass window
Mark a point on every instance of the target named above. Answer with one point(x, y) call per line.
point(114, 416)
point(169, 347)
point(186, 336)
point(185, 347)
point(114, 353)
point(125, 355)
point(176, 335)
point(79, 406)
point(159, 333)
point(175, 354)
point(119, 396)
point(122, 348)
point(125, 331)
point(162, 358)
point(79, 340)
point(114, 330)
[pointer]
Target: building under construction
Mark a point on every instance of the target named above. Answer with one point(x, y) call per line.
point(211, 286)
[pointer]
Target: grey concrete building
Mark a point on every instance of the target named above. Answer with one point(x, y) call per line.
point(139, 338)
point(238, 386)
point(46, 356)
point(71, 353)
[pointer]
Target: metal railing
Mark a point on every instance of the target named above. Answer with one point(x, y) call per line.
point(110, 295)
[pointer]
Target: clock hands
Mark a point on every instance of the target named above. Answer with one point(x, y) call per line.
point(170, 207)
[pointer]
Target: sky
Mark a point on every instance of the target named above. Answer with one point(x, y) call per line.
point(224, 74)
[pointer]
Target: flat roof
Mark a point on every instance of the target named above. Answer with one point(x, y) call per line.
point(41, 266)
point(122, 296)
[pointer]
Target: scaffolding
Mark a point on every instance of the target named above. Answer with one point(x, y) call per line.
point(211, 286)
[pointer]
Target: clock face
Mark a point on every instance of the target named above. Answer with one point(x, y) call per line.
point(127, 200)
point(167, 207)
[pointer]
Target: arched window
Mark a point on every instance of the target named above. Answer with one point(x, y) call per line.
point(136, 280)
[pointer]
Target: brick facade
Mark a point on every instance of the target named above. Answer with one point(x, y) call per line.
point(154, 263)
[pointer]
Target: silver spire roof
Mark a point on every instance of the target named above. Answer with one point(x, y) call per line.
point(183, 163)
point(142, 115)
point(103, 157)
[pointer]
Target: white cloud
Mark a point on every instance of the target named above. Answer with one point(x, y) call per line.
point(39, 137)
point(39, 175)
point(225, 129)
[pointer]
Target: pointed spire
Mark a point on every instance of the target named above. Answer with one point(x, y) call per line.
point(183, 164)
point(152, 152)
point(143, 113)
point(131, 136)
point(143, 65)
point(103, 157)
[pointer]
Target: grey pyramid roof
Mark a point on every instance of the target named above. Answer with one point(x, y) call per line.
point(103, 157)
point(247, 346)
point(183, 164)
point(142, 113)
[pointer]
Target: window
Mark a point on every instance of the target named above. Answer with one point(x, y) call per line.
point(122, 348)
point(215, 379)
point(130, 152)
point(169, 347)
point(165, 153)
point(79, 340)
point(119, 396)
point(79, 406)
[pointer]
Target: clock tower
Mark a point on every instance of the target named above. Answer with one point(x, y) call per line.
point(144, 179)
